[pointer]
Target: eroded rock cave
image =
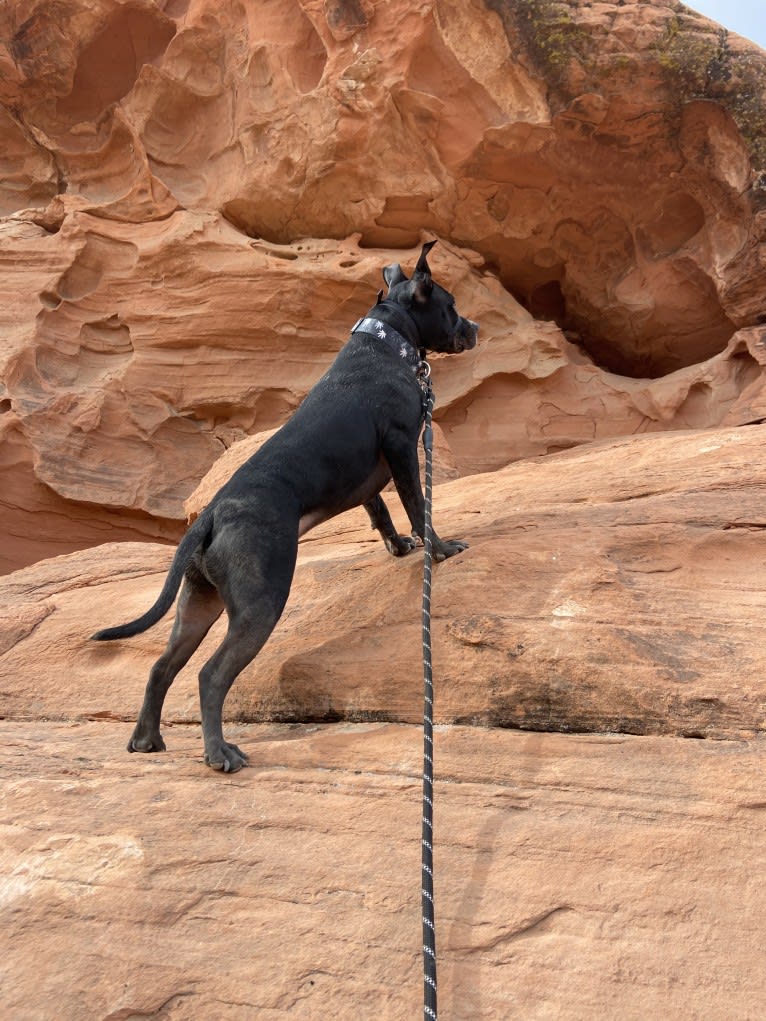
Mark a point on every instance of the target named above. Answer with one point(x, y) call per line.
point(201, 202)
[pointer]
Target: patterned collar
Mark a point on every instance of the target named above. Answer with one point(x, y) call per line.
point(394, 339)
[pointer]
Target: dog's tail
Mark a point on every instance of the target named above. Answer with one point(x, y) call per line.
point(186, 550)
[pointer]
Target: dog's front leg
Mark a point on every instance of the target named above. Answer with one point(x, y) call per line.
point(396, 544)
point(402, 456)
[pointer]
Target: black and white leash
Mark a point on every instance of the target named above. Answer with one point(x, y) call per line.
point(384, 331)
point(427, 862)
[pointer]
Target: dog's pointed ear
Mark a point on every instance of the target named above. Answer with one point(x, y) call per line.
point(421, 278)
point(393, 275)
point(422, 266)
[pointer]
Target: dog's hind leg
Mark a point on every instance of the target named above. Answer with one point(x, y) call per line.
point(255, 589)
point(199, 606)
point(247, 634)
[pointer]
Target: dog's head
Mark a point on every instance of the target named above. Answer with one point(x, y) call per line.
point(432, 307)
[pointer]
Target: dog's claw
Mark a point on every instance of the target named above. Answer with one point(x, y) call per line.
point(401, 545)
point(229, 759)
point(449, 548)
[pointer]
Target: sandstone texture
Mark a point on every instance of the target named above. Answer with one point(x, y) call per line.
point(197, 201)
point(577, 877)
point(611, 588)
point(615, 588)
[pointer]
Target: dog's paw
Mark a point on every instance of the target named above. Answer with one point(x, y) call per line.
point(448, 548)
point(154, 743)
point(401, 545)
point(226, 759)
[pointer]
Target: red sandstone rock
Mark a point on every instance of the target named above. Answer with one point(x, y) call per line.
point(615, 587)
point(601, 165)
point(577, 877)
point(196, 202)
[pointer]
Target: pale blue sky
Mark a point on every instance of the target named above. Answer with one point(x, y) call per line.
point(747, 17)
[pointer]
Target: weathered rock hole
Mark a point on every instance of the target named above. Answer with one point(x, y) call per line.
point(230, 414)
point(547, 302)
point(108, 65)
point(108, 336)
point(667, 352)
point(246, 217)
point(306, 60)
point(345, 17)
point(5, 406)
point(697, 330)
point(50, 300)
point(105, 347)
point(87, 270)
point(176, 8)
point(677, 221)
point(273, 407)
point(286, 24)
point(400, 224)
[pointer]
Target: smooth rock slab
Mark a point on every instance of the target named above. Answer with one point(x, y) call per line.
point(577, 877)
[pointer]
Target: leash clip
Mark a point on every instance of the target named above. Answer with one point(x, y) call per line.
point(423, 376)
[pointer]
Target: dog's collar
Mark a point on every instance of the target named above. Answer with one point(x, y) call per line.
point(395, 340)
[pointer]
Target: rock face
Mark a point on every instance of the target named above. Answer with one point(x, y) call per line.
point(198, 201)
point(613, 588)
point(563, 864)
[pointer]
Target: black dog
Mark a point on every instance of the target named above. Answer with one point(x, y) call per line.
point(356, 429)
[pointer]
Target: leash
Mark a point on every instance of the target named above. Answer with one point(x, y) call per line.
point(385, 332)
point(427, 870)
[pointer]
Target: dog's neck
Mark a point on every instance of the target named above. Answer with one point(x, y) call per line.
point(392, 324)
point(401, 320)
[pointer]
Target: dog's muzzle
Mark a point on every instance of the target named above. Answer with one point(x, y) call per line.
point(466, 338)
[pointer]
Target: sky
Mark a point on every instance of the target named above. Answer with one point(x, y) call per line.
point(746, 17)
